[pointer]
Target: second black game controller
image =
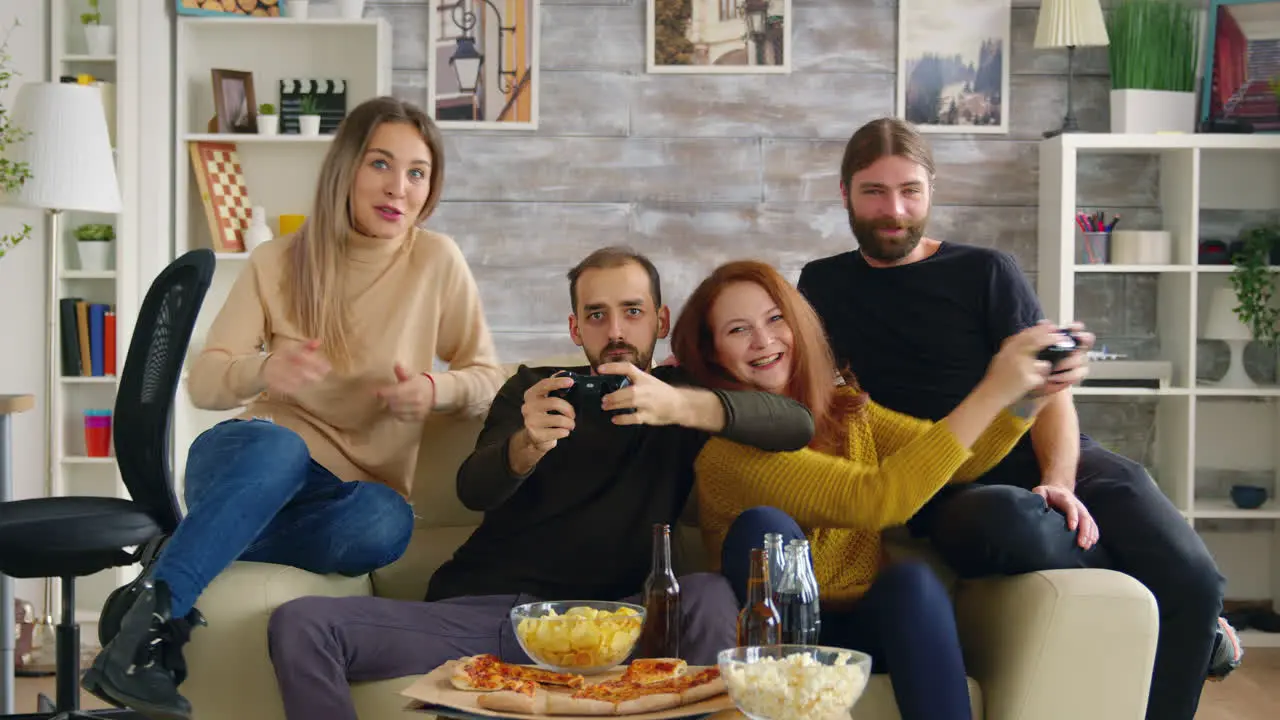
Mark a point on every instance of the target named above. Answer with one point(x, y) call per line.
point(1061, 350)
point(587, 392)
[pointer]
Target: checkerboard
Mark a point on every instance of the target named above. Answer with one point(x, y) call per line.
point(222, 189)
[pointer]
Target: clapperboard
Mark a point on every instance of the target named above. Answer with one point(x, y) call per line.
point(331, 99)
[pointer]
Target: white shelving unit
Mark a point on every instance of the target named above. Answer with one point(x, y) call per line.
point(69, 470)
point(1201, 431)
point(280, 171)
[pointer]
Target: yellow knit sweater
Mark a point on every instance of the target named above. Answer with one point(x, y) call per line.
point(893, 464)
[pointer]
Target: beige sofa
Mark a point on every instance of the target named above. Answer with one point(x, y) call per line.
point(1059, 645)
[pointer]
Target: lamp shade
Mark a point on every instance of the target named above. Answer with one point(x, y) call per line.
point(1070, 23)
point(1221, 322)
point(67, 149)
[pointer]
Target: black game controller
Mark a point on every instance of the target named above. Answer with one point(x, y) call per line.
point(587, 392)
point(1061, 350)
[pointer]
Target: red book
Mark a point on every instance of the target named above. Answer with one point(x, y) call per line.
point(109, 343)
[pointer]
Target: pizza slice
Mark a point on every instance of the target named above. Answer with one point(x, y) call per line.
point(487, 672)
point(650, 670)
point(523, 697)
point(623, 697)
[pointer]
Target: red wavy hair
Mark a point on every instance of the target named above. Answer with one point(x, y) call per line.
point(814, 373)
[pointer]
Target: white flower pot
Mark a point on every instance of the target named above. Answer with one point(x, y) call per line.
point(268, 124)
point(95, 255)
point(297, 9)
point(1152, 111)
point(352, 9)
point(100, 40)
point(309, 124)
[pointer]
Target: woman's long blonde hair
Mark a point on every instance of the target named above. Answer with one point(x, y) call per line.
point(312, 282)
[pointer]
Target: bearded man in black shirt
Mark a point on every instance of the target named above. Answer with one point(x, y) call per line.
point(569, 495)
point(917, 320)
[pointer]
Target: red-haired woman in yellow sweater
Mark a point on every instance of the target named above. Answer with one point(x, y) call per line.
point(867, 469)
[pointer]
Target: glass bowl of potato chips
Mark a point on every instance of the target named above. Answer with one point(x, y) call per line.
point(578, 636)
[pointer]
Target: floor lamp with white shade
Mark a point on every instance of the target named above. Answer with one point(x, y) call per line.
point(69, 155)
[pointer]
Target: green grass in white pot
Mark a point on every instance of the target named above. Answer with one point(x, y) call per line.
point(1154, 45)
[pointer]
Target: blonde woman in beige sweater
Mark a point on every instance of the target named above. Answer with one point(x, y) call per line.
point(327, 340)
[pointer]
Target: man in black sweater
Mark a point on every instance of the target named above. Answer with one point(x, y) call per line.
point(917, 320)
point(570, 493)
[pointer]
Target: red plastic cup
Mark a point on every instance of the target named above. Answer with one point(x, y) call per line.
point(97, 433)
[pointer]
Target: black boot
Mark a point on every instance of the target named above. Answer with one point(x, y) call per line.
point(142, 666)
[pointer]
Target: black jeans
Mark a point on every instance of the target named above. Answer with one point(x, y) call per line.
point(990, 529)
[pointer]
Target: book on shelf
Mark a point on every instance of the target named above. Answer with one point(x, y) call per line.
point(88, 332)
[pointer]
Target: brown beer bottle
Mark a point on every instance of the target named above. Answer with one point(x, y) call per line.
point(759, 622)
point(660, 637)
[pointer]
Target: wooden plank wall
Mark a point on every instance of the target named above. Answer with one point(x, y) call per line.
point(697, 170)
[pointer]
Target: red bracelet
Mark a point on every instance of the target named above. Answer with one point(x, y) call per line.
point(427, 375)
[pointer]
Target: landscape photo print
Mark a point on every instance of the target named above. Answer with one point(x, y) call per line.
point(953, 74)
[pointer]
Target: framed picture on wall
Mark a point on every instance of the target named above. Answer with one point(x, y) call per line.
point(953, 70)
point(246, 8)
point(718, 36)
point(1241, 82)
point(484, 63)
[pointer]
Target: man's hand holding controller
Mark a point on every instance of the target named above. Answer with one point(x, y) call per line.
point(547, 421)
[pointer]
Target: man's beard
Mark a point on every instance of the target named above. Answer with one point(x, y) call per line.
point(887, 249)
point(639, 359)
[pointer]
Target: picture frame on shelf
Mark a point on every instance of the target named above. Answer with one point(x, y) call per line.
point(718, 37)
point(329, 96)
point(235, 103)
point(232, 8)
point(485, 63)
point(1228, 95)
point(953, 65)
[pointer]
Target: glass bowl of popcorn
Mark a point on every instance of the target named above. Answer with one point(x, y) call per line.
point(586, 637)
point(794, 682)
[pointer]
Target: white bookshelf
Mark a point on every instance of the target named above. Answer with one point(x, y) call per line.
point(69, 470)
point(280, 170)
point(1203, 432)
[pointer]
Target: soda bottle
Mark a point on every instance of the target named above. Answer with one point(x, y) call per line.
point(660, 637)
point(774, 551)
point(798, 604)
point(758, 623)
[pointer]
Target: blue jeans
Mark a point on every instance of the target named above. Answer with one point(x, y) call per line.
point(254, 493)
point(905, 622)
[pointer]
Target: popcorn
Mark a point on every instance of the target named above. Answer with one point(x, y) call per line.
point(796, 687)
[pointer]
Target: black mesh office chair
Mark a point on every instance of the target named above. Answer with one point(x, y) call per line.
point(70, 537)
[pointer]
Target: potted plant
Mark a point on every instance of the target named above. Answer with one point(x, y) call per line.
point(268, 120)
point(1253, 280)
point(12, 174)
point(1153, 49)
point(99, 39)
point(309, 116)
point(95, 242)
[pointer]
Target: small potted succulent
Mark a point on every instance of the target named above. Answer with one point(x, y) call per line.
point(268, 120)
point(309, 116)
point(99, 39)
point(95, 242)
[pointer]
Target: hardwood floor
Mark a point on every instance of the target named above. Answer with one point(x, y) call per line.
point(1251, 693)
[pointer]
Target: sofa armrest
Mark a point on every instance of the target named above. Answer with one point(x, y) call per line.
point(1059, 644)
point(229, 668)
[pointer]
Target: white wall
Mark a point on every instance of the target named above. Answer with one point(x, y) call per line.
point(22, 274)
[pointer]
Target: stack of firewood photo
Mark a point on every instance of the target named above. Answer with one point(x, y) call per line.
point(260, 8)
